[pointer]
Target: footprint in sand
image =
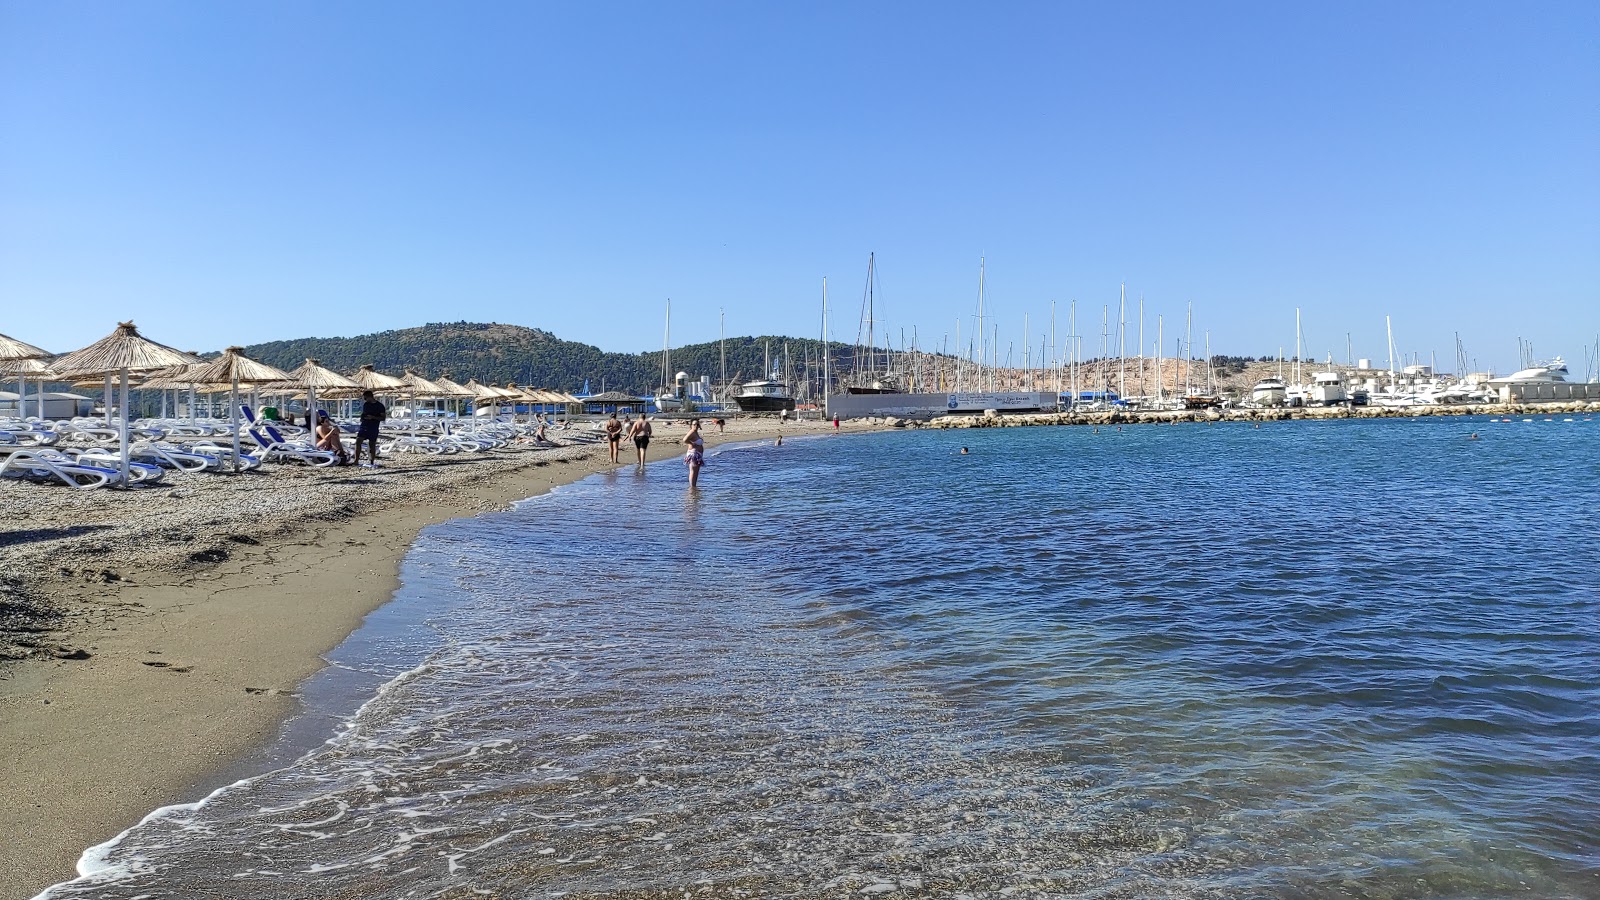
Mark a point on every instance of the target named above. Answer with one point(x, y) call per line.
point(158, 664)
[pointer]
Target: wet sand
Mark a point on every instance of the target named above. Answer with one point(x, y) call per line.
point(170, 663)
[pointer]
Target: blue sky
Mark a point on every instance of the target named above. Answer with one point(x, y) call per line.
point(232, 173)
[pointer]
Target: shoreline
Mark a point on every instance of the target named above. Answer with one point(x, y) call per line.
point(166, 676)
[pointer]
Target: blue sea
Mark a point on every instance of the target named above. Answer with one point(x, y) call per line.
point(1310, 659)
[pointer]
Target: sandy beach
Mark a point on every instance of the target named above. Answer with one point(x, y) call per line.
point(163, 632)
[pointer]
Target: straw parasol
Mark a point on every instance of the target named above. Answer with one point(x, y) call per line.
point(421, 387)
point(372, 380)
point(233, 368)
point(311, 377)
point(21, 359)
point(122, 352)
point(484, 393)
point(25, 369)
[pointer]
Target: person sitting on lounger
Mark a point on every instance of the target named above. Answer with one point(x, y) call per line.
point(328, 438)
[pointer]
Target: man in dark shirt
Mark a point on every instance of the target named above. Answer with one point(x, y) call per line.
point(372, 415)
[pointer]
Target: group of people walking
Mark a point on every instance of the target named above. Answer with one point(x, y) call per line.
point(639, 430)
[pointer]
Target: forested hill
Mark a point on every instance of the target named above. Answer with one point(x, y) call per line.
point(495, 354)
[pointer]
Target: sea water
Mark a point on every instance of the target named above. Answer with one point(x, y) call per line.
point(1310, 659)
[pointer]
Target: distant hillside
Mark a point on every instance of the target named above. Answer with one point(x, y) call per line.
point(496, 353)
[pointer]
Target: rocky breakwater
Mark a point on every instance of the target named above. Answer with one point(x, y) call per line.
point(1173, 417)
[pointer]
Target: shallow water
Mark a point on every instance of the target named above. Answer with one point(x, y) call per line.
point(1311, 659)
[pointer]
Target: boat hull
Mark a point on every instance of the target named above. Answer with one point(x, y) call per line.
point(765, 404)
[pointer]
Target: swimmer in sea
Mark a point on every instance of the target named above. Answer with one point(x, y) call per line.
point(963, 451)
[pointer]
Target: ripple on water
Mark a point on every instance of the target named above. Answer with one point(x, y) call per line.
point(1303, 660)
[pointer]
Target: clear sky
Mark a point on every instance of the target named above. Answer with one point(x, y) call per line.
point(239, 172)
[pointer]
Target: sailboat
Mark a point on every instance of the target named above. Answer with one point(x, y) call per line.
point(670, 398)
point(866, 377)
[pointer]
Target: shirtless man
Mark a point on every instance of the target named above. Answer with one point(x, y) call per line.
point(613, 435)
point(640, 432)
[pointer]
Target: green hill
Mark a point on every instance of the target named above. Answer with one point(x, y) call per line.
point(495, 353)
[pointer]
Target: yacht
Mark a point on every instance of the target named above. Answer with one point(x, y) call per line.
point(1269, 391)
point(1327, 389)
point(1555, 371)
point(764, 396)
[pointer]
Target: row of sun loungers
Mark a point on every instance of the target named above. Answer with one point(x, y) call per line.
point(84, 453)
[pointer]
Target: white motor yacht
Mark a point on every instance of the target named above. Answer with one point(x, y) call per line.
point(1269, 391)
point(1327, 389)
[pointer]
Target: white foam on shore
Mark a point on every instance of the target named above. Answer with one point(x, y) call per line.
point(96, 865)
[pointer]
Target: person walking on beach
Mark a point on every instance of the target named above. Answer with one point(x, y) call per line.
point(695, 457)
point(640, 432)
point(373, 415)
point(835, 423)
point(328, 438)
point(613, 435)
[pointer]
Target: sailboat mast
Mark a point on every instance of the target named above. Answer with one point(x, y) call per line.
point(825, 354)
point(1141, 346)
point(1122, 343)
point(872, 315)
point(666, 343)
point(1160, 338)
point(983, 353)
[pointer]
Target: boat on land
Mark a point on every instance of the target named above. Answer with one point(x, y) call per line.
point(670, 397)
point(1269, 391)
point(766, 395)
point(1327, 388)
point(770, 394)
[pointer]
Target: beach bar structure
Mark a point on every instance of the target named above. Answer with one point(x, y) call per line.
point(612, 401)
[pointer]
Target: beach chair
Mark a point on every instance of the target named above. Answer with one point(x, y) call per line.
point(138, 472)
point(275, 446)
point(48, 465)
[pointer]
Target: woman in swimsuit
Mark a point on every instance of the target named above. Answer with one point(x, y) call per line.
point(613, 435)
point(328, 437)
point(696, 455)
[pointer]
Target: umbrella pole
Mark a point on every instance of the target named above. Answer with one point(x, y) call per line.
point(108, 399)
point(127, 424)
point(235, 417)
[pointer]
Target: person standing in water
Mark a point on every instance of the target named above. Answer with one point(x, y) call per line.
point(695, 457)
point(640, 432)
point(613, 435)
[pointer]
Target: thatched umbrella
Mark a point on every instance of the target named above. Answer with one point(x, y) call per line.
point(122, 352)
point(22, 360)
point(452, 391)
point(372, 380)
point(312, 376)
point(484, 393)
point(423, 388)
point(170, 379)
point(25, 369)
point(233, 368)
